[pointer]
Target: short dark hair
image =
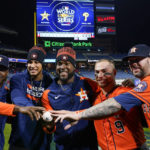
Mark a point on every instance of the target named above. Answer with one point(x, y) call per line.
point(108, 60)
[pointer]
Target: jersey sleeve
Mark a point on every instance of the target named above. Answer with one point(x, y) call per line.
point(142, 91)
point(6, 109)
point(94, 85)
point(127, 101)
point(47, 106)
point(45, 100)
point(18, 93)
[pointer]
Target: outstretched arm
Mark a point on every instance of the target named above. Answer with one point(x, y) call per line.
point(101, 110)
point(31, 111)
point(12, 110)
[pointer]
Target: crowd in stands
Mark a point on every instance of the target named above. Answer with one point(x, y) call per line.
point(83, 69)
point(91, 56)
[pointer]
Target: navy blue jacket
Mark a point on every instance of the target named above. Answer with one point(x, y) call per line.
point(76, 96)
point(25, 132)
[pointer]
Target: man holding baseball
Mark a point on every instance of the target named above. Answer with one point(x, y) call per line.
point(71, 92)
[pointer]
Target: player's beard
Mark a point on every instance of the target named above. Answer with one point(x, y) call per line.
point(140, 74)
point(64, 80)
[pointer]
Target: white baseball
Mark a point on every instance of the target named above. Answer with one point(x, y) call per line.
point(47, 116)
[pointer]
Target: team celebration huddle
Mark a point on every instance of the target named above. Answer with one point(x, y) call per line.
point(75, 112)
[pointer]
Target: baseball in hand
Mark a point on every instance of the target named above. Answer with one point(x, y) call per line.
point(47, 116)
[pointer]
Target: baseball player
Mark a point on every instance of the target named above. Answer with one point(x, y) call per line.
point(117, 130)
point(26, 90)
point(71, 92)
point(10, 109)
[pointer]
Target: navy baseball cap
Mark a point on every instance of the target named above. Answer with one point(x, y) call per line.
point(4, 62)
point(139, 50)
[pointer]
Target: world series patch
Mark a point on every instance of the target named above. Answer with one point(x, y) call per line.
point(142, 86)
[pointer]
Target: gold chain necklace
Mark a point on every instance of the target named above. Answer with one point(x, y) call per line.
point(61, 86)
point(33, 84)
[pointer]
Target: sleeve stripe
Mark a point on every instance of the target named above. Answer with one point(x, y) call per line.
point(139, 97)
point(45, 100)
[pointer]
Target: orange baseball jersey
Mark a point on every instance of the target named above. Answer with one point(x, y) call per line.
point(6, 109)
point(142, 92)
point(146, 110)
point(123, 130)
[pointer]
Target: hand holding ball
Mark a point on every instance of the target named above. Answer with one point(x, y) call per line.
point(48, 122)
point(47, 116)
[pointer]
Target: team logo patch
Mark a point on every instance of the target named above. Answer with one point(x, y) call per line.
point(83, 95)
point(142, 86)
point(34, 56)
point(64, 57)
point(133, 50)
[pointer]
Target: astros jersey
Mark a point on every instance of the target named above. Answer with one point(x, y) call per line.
point(75, 96)
point(140, 94)
point(5, 109)
point(26, 133)
point(122, 131)
point(146, 110)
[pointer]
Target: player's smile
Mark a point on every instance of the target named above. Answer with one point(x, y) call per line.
point(139, 66)
point(64, 70)
point(135, 67)
point(33, 71)
point(63, 73)
point(34, 67)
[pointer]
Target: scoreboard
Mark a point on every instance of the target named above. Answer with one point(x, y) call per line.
point(65, 19)
point(84, 23)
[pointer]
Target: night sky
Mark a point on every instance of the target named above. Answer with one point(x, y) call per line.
point(18, 15)
point(133, 22)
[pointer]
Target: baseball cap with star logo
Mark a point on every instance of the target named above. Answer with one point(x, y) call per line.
point(66, 54)
point(139, 50)
point(4, 62)
point(36, 53)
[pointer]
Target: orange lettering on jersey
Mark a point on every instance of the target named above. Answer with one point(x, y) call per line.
point(29, 86)
point(33, 98)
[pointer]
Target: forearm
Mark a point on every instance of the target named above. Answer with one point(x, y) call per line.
point(102, 110)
